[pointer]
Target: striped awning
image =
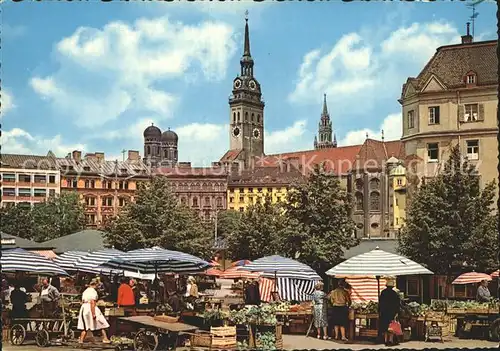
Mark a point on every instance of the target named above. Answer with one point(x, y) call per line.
point(46, 253)
point(495, 274)
point(365, 289)
point(19, 260)
point(157, 260)
point(92, 262)
point(237, 273)
point(240, 263)
point(377, 263)
point(213, 272)
point(282, 267)
point(68, 259)
point(471, 278)
point(288, 289)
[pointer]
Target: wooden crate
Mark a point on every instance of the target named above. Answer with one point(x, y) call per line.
point(455, 311)
point(278, 334)
point(201, 339)
point(166, 319)
point(114, 312)
point(223, 336)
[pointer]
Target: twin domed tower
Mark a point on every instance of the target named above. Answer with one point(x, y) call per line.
point(160, 149)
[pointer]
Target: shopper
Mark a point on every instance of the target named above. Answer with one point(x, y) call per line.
point(341, 301)
point(90, 316)
point(320, 311)
point(389, 305)
point(18, 299)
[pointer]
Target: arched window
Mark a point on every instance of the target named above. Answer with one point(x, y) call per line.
point(183, 201)
point(375, 201)
point(157, 150)
point(195, 202)
point(234, 117)
point(359, 201)
point(258, 118)
point(246, 116)
point(239, 117)
point(165, 154)
point(148, 150)
point(207, 201)
point(219, 202)
point(374, 184)
point(253, 117)
point(359, 184)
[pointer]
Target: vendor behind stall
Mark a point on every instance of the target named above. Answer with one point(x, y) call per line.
point(191, 292)
point(126, 296)
point(49, 296)
point(252, 293)
point(483, 293)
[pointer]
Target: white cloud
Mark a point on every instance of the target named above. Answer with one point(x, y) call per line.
point(391, 125)
point(358, 69)
point(7, 102)
point(19, 141)
point(105, 73)
point(289, 139)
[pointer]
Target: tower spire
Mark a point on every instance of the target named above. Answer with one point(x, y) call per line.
point(246, 50)
point(325, 108)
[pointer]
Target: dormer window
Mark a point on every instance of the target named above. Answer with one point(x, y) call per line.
point(471, 79)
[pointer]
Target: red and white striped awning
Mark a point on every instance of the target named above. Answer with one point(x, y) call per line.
point(266, 287)
point(213, 272)
point(495, 274)
point(237, 273)
point(471, 278)
point(365, 289)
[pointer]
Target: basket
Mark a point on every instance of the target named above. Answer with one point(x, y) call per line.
point(166, 319)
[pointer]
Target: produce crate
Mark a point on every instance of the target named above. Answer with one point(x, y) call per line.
point(201, 339)
point(223, 337)
point(456, 310)
point(115, 311)
point(278, 334)
point(370, 333)
point(166, 319)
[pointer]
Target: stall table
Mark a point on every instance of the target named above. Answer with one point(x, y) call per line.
point(369, 329)
point(294, 319)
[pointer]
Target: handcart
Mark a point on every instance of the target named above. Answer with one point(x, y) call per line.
point(153, 334)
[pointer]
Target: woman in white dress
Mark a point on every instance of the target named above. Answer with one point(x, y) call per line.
point(90, 316)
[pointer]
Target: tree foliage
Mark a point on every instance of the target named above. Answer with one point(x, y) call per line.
point(60, 215)
point(157, 218)
point(319, 216)
point(450, 224)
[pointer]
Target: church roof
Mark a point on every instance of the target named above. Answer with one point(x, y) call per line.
point(451, 63)
point(230, 155)
point(374, 153)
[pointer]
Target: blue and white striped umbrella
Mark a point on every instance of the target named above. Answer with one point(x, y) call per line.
point(19, 260)
point(68, 259)
point(282, 267)
point(92, 262)
point(157, 260)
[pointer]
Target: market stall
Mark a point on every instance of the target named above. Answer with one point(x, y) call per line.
point(375, 264)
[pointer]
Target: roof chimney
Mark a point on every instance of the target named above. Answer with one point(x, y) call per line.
point(99, 156)
point(133, 155)
point(467, 39)
point(76, 155)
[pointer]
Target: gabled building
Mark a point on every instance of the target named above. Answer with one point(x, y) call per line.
point(452, 101)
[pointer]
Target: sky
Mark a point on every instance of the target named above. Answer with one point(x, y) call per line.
point(91, 76)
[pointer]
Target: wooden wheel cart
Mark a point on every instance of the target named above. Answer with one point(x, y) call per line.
point(42, 329)
point(155, 334)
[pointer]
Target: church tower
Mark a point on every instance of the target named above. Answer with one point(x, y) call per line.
point(246, 109)
point(325, 130)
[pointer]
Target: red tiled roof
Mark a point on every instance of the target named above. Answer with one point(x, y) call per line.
point(338, 160)
point(374, 153)
point(268, 175)
point(230, 155)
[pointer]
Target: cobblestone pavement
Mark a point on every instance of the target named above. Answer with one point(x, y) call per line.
point(301, 342)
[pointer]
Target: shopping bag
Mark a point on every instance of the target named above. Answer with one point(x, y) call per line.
point(395, 328)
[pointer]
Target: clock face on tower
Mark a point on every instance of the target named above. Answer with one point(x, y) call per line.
point(237, 84)
point(252, 85)
point(256, 133)
point(236, 131)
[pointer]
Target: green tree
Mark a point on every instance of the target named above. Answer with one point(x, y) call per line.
point(157, 218)
point(450, 221)
point(257, 232)
point(318, 214)
point(58, 216)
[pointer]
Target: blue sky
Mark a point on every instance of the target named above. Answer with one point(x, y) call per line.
point(91, 76)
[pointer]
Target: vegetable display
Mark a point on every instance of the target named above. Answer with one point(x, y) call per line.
point(266, 341)
point(365, 308)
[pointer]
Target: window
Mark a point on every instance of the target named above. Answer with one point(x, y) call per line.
point(239, 117)
point(411, 119)
point(269, 190)
point(359, 184)
point(259, 190)
point(433, 152)
point(183, 201)
point(52, 179)
point(148, 150)
point(374, 201)
point(89, 183)
point(399, 181)
point(242, 199)
point(219, 202)
point(107, 201)
point(24, 178)
point(242, 209)
point(234, 117)
point(471, 113)
point(24, 192)
point(195, 202)
point(374, 184)
point(90, 218)
point(40, 192)
point(397, 202)
point(359, 201)
point(246, 116)
point(258, 118)
point(207, 201)
point(52, 192)
point(106, 184)
point(473, 149)
point(122, 201)
point(231, 199)
point(471, 79)
point(40, 178)
point(90, 201)
point(9, 192)
point(434, 115)
point(242, 190)
point(253, 117)
point(250, 190)
point(123, 185)
point(86, 169)
point(278, 198)
point(9, 178)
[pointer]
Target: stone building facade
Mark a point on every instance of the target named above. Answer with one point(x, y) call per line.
point(160, 149)
point(452, 101)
